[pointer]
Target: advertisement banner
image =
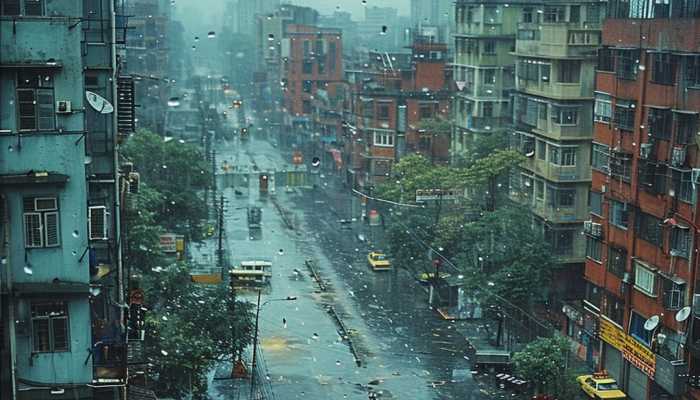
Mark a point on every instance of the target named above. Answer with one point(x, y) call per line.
point(633, 351)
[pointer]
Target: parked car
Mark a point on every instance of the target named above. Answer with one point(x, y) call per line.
point(600, 386)
point(378, 261)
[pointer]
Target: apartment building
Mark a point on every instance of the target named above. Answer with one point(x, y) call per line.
point(642, 241)
point(483, 69)
point(64, 109)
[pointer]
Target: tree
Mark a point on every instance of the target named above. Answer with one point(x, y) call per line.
point(176, 171)
point(544, 363)
point(190, 329)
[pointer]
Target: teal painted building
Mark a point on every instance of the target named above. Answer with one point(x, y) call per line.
point(62, 306)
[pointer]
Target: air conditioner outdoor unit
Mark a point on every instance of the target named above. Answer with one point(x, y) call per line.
point(596, 230)
point(628, 278)
point(63, 107)
point(645, 151)
point(134, 180)
point(588, 227)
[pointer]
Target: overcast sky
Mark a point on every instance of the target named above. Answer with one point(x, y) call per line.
point(354, 6)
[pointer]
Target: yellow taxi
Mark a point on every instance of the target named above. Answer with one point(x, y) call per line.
point(378, 261)
point(600, 386)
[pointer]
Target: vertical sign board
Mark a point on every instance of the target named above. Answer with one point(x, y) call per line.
point(633, 351)
point(168, 243)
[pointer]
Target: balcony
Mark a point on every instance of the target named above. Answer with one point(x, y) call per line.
point(558, 40)
point(555, 90)
point(483, 124)
point(559, 173)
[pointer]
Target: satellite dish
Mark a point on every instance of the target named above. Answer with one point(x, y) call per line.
point(99, 103)
point(652, 323)
point(683, 314)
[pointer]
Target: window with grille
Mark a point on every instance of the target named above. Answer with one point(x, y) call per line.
point(663, 68)
point(618, 214)
point(97, 220)
point(569, 71)
point(674, 293)
point(601, 157)
point(627, 61)
point(617, 259)
point(595, 203)
point(606, 60)
point(594, 248)
point(692, 70)
point(621, 165)
point(624, 114)
point(554, 14)
point(652, 177)
point(644, 279)
point(603, 107)
point(660, 123)
point(384, 139)
point(35, 101)
point(686, 127)
point(41, 222)
point(562, 115)
point(50, 327)
point(22, 7)
point(649, 228)
point(680, 241)
point(682, 185)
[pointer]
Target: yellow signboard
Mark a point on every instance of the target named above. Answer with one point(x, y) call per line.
point(633, 351)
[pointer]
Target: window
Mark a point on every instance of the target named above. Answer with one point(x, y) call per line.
point(649, 228)
point(637, 330)
point(50, 327)
point(489, 76)
point(426, 111)
point(686, 127)
point(383, 139)
point(554, 154)
point(624, 114)
point(41, 227)
point(490, 47)
point(673, 292)
point(541, 150)
point(528, 15)
point(660, 122)
point(594, 248)
point(563, 242)
point(644, 279)
point(574, 13)
point(487, 109)
point(682, 185)
point(306, 107)
point(592, 13)
point(528, 34)
point(539, 189)
point(35, 101)
point(553, 14)
point(619, 214)
point(568, 156)
point(332, 54)
point(601, 157)
point(595, 203)
point(603, 107)
point(652, 177)
point(621, 165)
point(664, 68)
point(561, 197)
point(307, 86)
point(565, 115)
point(692, 70)
point(383, 112)
point(22, 7)
point(617, 260)
point(307, 67)
point(615, 309)
point(606, 60)
point(569, 71)
point(680, 241)
point(627, 64)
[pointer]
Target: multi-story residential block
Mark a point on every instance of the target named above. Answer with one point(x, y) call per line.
point(61, 283)
point(393, 95)
point(483, 69)
point(552, 127)
point(311, 61)
point(642, 241)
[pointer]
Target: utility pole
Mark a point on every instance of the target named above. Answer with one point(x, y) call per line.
point(255, 350)
point(220, 245)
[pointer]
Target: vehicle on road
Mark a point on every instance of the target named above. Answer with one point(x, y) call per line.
point(600, 386)
point(254, 216)
point(251, 273)
point(378, 261)
point(426, 277)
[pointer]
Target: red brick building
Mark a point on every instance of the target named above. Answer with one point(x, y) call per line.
point(311, 61)
point(643, 236)
point(392, 96)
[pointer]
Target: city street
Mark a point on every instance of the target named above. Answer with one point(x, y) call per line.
point(405, 351)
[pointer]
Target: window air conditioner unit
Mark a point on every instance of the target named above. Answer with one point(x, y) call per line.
point(63, 107)
point(588, 227)
point(645, 151)
point(678, 156)
point(628, 278)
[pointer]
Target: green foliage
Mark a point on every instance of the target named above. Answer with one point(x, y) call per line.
point(190, 328)
point(544, 362)
point(438, 126)
point(415, 172)
point(176, 171)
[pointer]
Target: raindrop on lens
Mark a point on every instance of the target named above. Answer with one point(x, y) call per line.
point(281, 252)
point(28, 270)
point(76, 233)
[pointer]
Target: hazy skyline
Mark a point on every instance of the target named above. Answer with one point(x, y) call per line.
point(354, 6)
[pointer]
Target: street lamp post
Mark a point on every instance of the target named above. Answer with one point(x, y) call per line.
point(255, 337)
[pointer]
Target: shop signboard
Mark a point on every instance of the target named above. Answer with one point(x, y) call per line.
point(636, 353)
